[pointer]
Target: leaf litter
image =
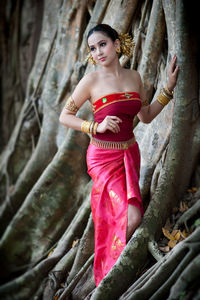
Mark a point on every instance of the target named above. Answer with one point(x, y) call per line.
point(171, 237)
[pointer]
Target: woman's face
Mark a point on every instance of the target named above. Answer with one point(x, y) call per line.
point(102, 48)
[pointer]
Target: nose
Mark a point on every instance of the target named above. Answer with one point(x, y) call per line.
point(99, 51)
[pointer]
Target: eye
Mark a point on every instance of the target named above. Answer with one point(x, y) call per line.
point(92, 49)
point(103, 44)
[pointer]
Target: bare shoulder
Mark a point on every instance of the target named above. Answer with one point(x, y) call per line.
point(82, 92)
point(133, 74)
point(87, 79)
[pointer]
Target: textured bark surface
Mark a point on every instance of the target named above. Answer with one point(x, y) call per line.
point(47, 232)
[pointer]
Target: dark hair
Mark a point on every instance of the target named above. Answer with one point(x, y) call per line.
point(106, 29)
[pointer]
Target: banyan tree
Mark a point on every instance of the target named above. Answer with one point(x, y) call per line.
point(47, 233)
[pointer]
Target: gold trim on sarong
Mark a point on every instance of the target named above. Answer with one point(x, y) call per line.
point(112, 145)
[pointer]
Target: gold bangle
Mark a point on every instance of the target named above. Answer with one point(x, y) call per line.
point(165, 94)
point(95, 128)
point(168, 91)
point(70, 105)
point(162, 99)
point(85, 126)
point(91, 127)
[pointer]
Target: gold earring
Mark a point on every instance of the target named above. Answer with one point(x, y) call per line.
point(91, 59)
point(118, 51)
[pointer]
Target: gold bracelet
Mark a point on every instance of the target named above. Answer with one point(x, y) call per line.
point(165, 94)
point(85, 126)
point(95, 128)
point(168, 91)
point(162, 99)
point(70, 105)
point(91, 127)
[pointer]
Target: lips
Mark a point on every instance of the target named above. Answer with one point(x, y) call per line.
point(102, 58)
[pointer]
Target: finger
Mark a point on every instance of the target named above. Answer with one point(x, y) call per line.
point(174, 58)
point(115, 127)
point(115, 118)
point(176, 70)
point(172, 64)
point(114, 124)
point(172, 67)
point(174, 75)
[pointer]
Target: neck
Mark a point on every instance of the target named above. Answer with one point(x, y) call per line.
point(114, 69)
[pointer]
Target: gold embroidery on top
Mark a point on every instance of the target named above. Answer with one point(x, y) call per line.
point(119, 100)
point(127, 95)
point(104, 96)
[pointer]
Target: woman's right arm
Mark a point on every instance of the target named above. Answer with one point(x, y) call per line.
point(80, 95)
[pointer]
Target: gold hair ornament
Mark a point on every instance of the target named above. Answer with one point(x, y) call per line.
point(90, 59)
point(126, 44)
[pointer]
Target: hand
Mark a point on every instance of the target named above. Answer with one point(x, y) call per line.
point(173, 74)
point(109, 123)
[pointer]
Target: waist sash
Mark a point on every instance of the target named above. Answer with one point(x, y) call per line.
point(112, 145)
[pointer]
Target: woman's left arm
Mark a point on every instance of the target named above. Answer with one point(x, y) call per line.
point(149, 112)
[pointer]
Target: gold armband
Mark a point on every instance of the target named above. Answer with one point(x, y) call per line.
point(70, 105)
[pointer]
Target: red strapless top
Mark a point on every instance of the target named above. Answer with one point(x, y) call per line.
point(123, 105)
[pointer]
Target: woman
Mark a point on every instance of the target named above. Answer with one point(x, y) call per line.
point(113, 158)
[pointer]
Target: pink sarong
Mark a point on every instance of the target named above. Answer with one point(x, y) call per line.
point(115, 175)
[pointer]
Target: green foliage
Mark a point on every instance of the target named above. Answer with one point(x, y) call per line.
point(182, 295)
point(197, 222)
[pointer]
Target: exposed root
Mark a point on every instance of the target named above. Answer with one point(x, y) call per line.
point(154, 250)
point(85, 249)
point(157, 281)
point(189, 214)
point(73, 283)
point(188, 277)
point(86, 286)
point(138, 37)
point(56, 276)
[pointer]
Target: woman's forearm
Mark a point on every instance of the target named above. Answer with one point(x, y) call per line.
point(150, 112)
point(70, 120)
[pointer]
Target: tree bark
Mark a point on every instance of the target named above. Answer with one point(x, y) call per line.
point(47, 230)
